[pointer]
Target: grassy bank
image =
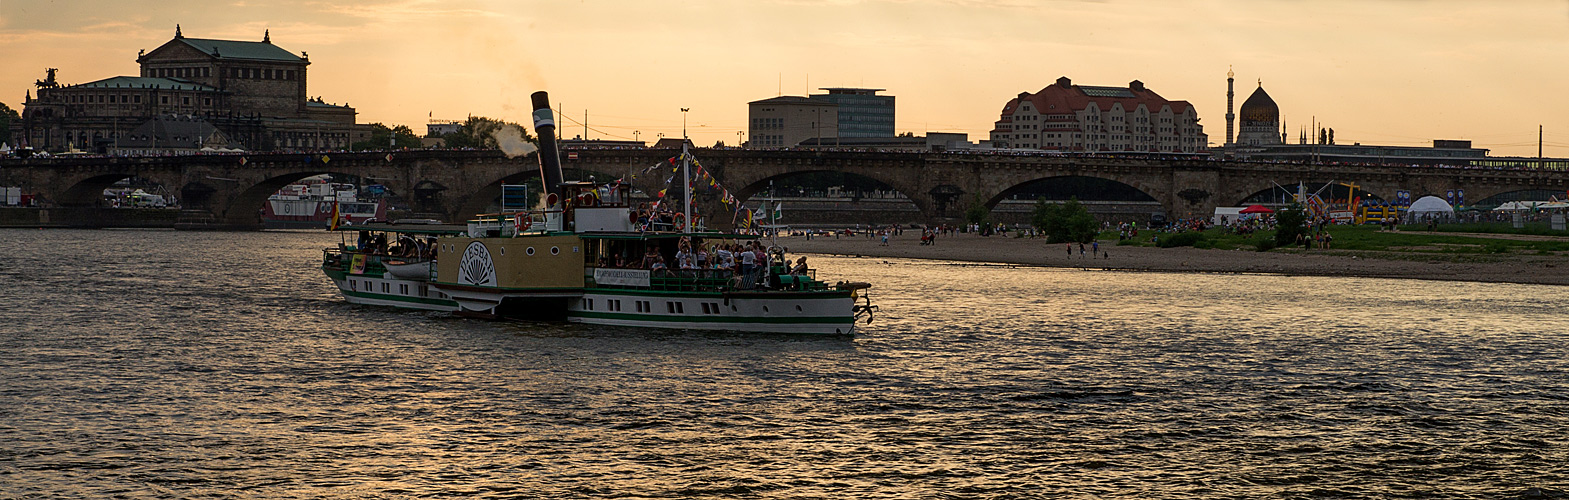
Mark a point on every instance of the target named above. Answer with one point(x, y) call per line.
point(1410, 240)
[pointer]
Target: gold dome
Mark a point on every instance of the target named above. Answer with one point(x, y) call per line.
point(1260, 108)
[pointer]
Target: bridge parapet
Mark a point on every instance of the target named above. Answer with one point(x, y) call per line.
point(227, 189)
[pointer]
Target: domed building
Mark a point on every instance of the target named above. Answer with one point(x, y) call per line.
point(1260, 120)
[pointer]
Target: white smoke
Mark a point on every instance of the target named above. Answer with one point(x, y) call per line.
point(510, 139)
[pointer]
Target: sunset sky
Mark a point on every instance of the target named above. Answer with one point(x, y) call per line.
point(1397, 72)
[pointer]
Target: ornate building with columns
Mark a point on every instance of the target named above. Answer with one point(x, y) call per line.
point(254, 93)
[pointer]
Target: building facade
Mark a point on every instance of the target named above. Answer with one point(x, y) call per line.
point(254, 92)
point(1260, 121)
point(1081, 118)
point(786, 121)
point(862, 113)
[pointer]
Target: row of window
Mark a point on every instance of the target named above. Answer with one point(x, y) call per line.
point(671, 307)
point(206, 72)
point(768, 123)
point(127, 99)
point(386, 287)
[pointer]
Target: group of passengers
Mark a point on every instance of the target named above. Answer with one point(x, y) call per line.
point(406, 247)
point(748, 262)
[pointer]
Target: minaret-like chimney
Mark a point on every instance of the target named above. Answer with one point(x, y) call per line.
point(1230, 94)
point(549, 161)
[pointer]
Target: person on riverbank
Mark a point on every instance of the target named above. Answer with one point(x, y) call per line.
point(1070, 250)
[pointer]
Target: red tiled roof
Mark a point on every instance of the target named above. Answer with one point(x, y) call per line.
point(1056, 99)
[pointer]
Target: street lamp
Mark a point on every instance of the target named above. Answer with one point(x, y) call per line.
point(683, 121)
point(738, 135)
point(635, 134)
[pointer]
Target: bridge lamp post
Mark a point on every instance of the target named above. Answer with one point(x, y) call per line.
point(635, 133)
point(683, 121)
point(738, 135)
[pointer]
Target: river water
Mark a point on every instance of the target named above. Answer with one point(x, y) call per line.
point(157, 364)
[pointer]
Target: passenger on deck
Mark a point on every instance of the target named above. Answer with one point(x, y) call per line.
point(800, 267)
point(649, 258)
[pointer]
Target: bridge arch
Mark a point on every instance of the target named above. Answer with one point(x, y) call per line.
point(87, 190)
point(1106, 196)
point(244, 209)
point(1284, 195)
point(760, 185)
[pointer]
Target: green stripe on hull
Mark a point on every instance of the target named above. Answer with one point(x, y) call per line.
point(675, 318)
point(743, 294)
point(400, 298)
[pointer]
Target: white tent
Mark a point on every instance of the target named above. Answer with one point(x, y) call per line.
point(1530, 205)
point(1430, 207)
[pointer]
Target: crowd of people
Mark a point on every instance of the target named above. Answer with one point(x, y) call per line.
point(747, 264)
point(404, 247)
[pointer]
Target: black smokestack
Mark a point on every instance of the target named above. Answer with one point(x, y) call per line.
point(549, 159)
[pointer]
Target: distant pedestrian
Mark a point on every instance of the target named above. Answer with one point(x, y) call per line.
point(1094, 247)
point(1081, 249)
point(1070, 250)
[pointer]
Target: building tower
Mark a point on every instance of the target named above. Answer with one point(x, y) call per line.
point(1260, 120)
point(1230, 93)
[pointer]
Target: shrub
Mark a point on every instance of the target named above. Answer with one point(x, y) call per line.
point(1181, 240)
point(1266, 243)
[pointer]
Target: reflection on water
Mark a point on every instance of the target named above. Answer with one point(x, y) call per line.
point(174, 364)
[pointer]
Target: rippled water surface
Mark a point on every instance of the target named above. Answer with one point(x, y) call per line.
point(147, 364)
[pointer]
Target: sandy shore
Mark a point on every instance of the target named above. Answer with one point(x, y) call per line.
point(1512, 268)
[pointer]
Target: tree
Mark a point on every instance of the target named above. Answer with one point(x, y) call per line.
point(382, 137)
point(1289, 222)
point(978, 213)
point(7, 115)
point(1064, 222)
point(479, 132)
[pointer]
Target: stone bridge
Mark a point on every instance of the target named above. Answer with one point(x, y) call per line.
point(943, 185)
point(227, 191)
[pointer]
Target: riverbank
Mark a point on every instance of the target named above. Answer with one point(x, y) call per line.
point(1541, 269)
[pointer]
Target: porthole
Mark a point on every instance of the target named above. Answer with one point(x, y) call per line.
point(529, 251)
point(503, 250)
point(797, 308)
point(765, 308)
point(555, 250)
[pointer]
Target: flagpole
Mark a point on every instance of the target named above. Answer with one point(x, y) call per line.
point(686, 179)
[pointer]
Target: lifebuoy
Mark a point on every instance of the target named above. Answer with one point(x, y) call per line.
point(586, 200)
point(680, 222)
point(522, 221)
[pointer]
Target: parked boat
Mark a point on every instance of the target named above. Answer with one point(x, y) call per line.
point(309, 204)
point(595, 257)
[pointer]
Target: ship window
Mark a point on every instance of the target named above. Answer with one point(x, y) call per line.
point(385, 288)
point(404, 289)
point(555, 250)
point(503, 250)
point(671, 306)
point(705, 308)
point(353, 286)
point(529, 251)
point(716, 308)
point(797, 308)
point(765, 308)
point(679, 308)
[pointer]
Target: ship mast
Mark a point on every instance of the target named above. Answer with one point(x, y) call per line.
point(686, 179)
